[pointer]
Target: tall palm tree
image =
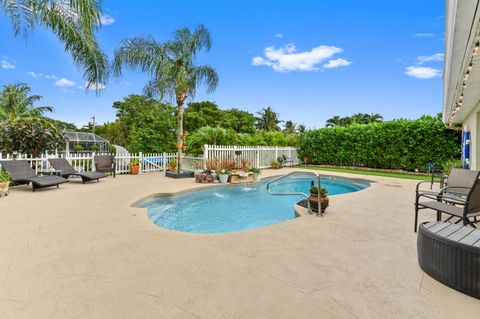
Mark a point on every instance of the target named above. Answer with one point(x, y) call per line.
point(334, 121)
point(290, 127)
point(171, 67)
point(268, 120)
point(17, 105)
point(375, 117)
point(73, 22)
point(301, 128)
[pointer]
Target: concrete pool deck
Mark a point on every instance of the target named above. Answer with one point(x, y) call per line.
point(82, 251)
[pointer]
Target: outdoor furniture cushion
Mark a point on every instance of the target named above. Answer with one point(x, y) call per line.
point(21, 172)
point(450, 253)
point(67, 170)
point(105, 164)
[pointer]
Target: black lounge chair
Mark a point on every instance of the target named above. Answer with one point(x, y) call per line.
point(463, 209)
point(105, 164)
point(21, 172)
point(67, 170)
point(459, 184)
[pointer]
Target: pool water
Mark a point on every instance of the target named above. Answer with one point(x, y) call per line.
point(233, 208)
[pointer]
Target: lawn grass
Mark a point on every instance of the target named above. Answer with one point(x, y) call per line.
point(365, 172)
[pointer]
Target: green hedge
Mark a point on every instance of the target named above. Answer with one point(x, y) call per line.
point(398, 144)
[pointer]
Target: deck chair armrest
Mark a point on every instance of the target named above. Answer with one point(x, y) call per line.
point(421, 183)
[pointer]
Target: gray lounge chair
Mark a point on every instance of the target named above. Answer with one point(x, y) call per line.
point(459, 184)
point(464, 209)
point(105, 164)
point(21, 172)
point(67, 170)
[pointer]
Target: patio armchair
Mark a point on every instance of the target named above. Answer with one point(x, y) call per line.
point(21, 172)
point(67, 170)
point(105, 164)
point(459, 184)
point(457, 206)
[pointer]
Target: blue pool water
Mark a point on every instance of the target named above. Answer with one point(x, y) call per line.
point(238, 207)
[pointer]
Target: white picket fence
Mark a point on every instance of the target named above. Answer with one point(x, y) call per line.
point(258, 156)
point(83, 161)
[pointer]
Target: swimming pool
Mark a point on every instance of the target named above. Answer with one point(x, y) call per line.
point(233, 208)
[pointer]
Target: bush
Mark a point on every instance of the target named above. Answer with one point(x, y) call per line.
point(398, 144)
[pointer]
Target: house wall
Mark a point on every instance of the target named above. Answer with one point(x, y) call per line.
point(472, 123)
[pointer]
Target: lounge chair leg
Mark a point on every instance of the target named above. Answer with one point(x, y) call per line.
point(58, 185)
point(439, 215)
point(416, 218)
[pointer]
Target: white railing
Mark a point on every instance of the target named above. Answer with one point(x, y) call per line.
point(83, 161)
point(258, 156)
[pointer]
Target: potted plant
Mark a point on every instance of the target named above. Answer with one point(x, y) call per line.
point(313, 199)
point(95, 148)
point(78, 148)
point(4, 182)
point(275, 164)
point(172, 165)
point(223, 175)
point(281, 160)
point(134, 166)
point(256, 173)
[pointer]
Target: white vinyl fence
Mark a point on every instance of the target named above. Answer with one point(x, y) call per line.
point(83, 161)
point(258, 156)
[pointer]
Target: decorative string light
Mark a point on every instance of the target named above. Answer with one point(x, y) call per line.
point(459, 103)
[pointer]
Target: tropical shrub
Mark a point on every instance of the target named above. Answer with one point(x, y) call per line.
point(398, 144)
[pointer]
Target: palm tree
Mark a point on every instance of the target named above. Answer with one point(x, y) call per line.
point(268, 120)
point(171, 67)
point(74, 23)
point(290, 127)
point(23, 126)
point(375, 117)
point(301, 128)
point(16, 104)
point(334, 121)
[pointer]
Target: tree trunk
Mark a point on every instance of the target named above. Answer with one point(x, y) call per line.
point(179, 133)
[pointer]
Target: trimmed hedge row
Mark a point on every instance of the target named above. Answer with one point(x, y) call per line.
point(398, 144)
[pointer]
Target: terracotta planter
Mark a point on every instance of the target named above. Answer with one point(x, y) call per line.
point(134, 170)
point(172, 167)
point(184, 148)
point(324, 201)
point(277, 166)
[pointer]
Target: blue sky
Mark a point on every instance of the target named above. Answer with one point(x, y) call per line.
point(308, 60)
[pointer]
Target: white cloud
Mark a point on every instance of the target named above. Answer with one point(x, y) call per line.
point(337, 63)
point(421, 72)
point(34, 75)
point(106, 19)
point(95, 86)
point(4, 64)
point(287, 58)
point(279, 35)
point(437, 57)
point(423, 35)
point(64, 82)
point(51, 77)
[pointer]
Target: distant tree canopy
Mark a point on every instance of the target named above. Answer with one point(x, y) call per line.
point(142, 125)
point(358, 118)
point(146, 125)
point(201, 114)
